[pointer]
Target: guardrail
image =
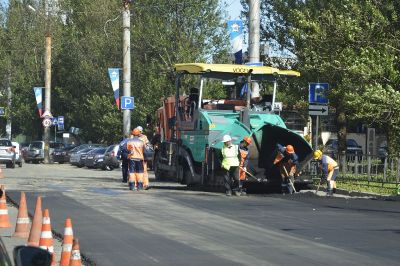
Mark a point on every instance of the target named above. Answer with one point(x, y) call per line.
point(363, 170)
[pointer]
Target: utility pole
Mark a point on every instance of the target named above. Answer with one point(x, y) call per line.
point(47, 83)
point(254, 39)
point(9, 106)
point(126, 55)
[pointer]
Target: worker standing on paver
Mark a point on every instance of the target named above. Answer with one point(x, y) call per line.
point(122, 155)
point(135, 147)
point(288, 163)
point(230, 164)
point(146, 142)
point(330, 170)
point(244, 160)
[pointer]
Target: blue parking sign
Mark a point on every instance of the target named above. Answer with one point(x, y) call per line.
point(318, 93)
point(127, 102)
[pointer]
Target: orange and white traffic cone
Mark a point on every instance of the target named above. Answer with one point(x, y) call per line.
point(75, 255)
point(36, 228)
point(46, 237)
point(4, 219)
point(22, 226)
point(67, 243)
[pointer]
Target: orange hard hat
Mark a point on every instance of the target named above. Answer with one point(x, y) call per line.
point(289, 149)
point(136, 132)
point(247, 139)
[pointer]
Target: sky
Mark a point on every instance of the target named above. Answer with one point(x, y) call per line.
point(233, 8)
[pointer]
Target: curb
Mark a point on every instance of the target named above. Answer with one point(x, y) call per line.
point(87, 261)
point(365, 194)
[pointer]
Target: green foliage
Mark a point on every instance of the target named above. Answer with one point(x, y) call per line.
point(351, 44)
point(87, 39)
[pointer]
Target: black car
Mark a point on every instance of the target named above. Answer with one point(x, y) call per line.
point(62, 155)
point(93, 155)
point(110, 158)
point(75, 153)
point(82, 156)
point(352, 150)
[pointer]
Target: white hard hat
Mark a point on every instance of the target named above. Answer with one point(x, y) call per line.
point(140, 128)
point(226, 138)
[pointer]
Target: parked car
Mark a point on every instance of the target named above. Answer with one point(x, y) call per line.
point(35, 152)
point(76, 156)
point(62, 155)
point(93, 155)
point(110, 158)
point(18, 155)
point(7, 154)
point(24, 146)
point(352, 150)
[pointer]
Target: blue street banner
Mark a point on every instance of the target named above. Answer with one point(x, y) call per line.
point(38, 95)
point(114, 77)
point(235, 28)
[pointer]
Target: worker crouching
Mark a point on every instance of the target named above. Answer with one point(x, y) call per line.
point(330, 170)
point(288, 163)
point(135, 147)
point(230, 164)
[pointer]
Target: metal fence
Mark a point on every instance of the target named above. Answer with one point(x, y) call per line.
point(368, 170)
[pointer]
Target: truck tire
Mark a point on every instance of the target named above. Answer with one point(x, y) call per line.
point(184, 176)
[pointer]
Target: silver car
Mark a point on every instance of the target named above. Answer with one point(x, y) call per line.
point(7, 153)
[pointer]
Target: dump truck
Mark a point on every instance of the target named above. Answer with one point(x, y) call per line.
point(191, 124)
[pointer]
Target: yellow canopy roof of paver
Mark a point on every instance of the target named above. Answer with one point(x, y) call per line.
point(230, 71)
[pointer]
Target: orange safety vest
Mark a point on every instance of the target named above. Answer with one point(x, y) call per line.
point(144, 138)
point(243, 157)
point(135, 147)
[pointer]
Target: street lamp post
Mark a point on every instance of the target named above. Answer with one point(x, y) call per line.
point(47, 81)
point(126, 54)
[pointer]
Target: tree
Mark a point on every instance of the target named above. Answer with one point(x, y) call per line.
point(351, 44)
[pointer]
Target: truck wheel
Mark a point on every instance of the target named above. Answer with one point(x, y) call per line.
point(184, 176)
point(20, 164)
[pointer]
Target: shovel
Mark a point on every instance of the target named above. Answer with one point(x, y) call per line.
point(249, 174)
point(290, 181)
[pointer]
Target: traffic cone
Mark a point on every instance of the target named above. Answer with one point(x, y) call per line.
point(4, 219)
point(46, 237)
point(76, 254)
point(36, 228)
point(53, 259)
point(22, 226)
point(67, 243)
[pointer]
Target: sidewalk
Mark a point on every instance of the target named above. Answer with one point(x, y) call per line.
point(11, 242)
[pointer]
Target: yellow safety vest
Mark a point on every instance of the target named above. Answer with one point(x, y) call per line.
point(230, 157)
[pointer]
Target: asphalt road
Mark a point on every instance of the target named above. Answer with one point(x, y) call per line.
point(169, 225)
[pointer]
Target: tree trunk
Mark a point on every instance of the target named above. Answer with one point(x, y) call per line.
point(341, 120)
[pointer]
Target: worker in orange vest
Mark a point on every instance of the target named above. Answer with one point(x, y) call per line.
point(244, 160)
point(288, 163)
point(135, 147)
point(146, 141)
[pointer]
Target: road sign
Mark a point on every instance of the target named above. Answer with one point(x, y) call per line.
point(60, 124)
point(46, 122)
point(318, 109)
point(2, 111)
point(54, 121)
point(278, 106)
point(318, 93)
point(127, 102)
point(47, 114)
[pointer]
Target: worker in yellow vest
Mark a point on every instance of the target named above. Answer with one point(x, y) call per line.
point(230, 165)
point(330, 170)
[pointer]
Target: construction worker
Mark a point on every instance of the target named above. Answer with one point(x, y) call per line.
point(230, 164)
point(288, 163)
point(135, 147)
point(122, 155)
point(330, 169)
point(244, 160)
point(146, 141)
